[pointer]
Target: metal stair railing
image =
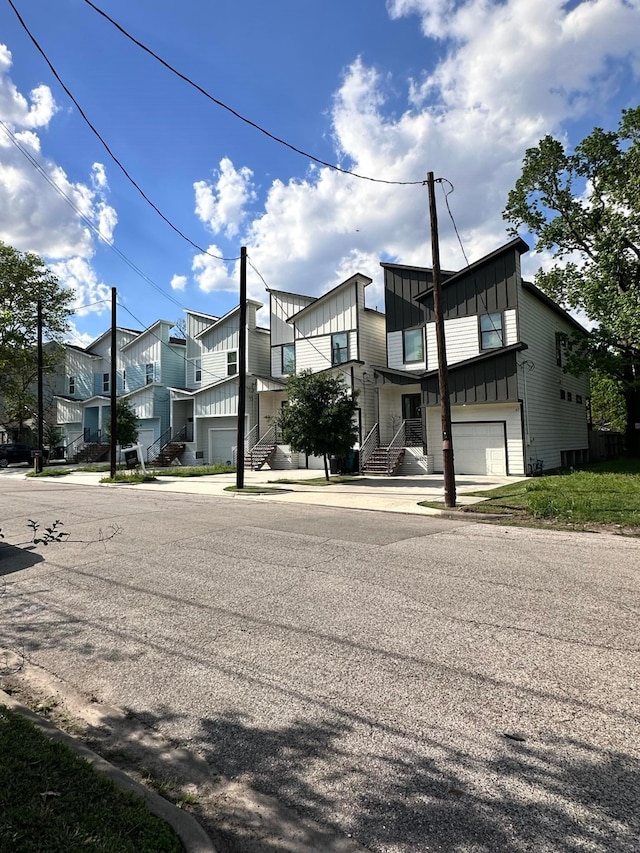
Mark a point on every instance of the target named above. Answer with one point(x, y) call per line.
point(395, 447)
point(153, 451)
point(413, 432)
point(371, 442)
point(250, 440)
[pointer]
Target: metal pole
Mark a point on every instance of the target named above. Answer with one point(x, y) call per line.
point(242, 368)
point(40, 456)
point(112, 385)
point(443, 372)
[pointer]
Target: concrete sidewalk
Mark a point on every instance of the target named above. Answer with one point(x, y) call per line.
point(384, 494)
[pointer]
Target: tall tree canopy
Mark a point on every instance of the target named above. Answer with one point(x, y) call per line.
point(24, 279)
point(320, 417)
point(584, 209)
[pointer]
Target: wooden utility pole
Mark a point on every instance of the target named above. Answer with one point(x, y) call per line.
point(40, 453)
point(443, 371)
point(112, 385)
point(242, 369)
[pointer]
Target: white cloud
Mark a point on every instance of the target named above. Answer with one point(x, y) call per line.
point(513, 71)
point(80, 277)
point(179, 282)
point(212, 274)
point(37, 198)
point(221, 205)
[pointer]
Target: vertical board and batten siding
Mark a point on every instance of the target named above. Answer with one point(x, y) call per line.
point(258, 351)
point(551, 424)
point(331, 314)
point(69, 411)
point(221, 400)
point(371, 331)
point(401, 286)
point(283, 306)
point(173, 368)
point(81, 367)
point(142, 402)
point(196, 324)
point(509, 413)
point(146, 350)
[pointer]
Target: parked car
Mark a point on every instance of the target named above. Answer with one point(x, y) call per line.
point(12, 453)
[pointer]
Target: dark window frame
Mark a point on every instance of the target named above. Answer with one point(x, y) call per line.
point(406, 332)
point(149, 371)
point(197, 369)
point(106, 383)
point(232, 362)
point(493, 330)
point(339, 354)
point(292, 368)
point(72, 385)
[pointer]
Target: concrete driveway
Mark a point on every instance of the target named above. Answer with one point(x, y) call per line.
point(406, 682)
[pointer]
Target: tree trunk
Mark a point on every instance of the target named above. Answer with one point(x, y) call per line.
point(326, 467)
point(632, 401)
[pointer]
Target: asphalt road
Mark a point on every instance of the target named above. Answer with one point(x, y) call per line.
point(414, 683)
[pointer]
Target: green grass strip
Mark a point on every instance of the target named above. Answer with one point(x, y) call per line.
point(51, 800)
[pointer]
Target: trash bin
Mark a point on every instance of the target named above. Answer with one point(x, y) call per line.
point(352, 462)
point(334, 465)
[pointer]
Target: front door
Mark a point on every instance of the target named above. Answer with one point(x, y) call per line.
point(411, 413)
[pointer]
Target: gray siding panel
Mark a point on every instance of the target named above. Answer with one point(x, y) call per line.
point(492, 380)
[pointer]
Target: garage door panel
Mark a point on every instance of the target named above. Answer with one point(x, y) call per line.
point(221, 444)
point(479, 448)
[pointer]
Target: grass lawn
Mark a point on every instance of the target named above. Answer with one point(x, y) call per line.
point(606, 494)
point(52, 800)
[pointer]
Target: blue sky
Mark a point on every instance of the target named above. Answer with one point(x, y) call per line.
point(391, 90)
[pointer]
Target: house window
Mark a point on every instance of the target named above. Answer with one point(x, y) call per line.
point(569, 396)
point(105, 383)
point(148, 374)
point(72, 384)
point(232, 363)
point(559, 349)
point(289, 358)
point(197, 367)
point(124, 380)
point(339, 348)
point(562, 394)
point(491, 331)
point(412, 346)
point(579, 399)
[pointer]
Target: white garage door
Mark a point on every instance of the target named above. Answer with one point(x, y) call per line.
point(479, 448)
point(221, 444)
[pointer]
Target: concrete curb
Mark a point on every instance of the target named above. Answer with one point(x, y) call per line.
point(192, 835)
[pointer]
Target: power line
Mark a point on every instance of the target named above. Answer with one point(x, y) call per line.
point(238, 115)
point(84, 218)
point(106, 146)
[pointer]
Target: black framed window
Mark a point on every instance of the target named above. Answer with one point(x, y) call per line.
point(491, 332)
point(105, 383)
point(148, 374)
point(232, 363)
point(412, 345)
point(124, 380)
point(197, 369)
point(72, 384)
point(288, 358)
point(339, 348)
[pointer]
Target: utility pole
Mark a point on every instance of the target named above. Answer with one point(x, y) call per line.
point(40, 453)
point(242, 369)
point(112, 385)
point(443, 371)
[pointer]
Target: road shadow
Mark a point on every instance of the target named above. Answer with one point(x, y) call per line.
point(14, 558)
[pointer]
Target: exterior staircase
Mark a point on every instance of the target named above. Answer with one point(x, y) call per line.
point(384, 460)
point(168, 447)
point(91, 452)
point(261, 451)
point(375, 458)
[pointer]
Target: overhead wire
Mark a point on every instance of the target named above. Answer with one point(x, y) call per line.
point(238, 115)
point(85, 218)
point(106, 146)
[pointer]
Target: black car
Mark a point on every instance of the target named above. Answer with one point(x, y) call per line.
point(11, 453)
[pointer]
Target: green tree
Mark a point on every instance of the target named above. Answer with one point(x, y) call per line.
point(319, 419)
point(608, 410)
point(126, 424)
point(584, 208)
point(24, 279)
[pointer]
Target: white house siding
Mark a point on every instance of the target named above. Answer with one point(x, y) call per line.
point(390, 408)
point(258, 351)
point(461, 339)
point(142, 402)
point(371, 330)
point(196, 324)
point(552, 425)
point(221, 400)
point(509, 413)
point(80, 366)
point(282, 306)
point(173, 364)
point(331, 314)
point(315, 353)
point(146, 350)
point(510, 327)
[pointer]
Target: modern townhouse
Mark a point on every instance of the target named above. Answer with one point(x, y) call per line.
point(335, 332)
point(514, 409)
